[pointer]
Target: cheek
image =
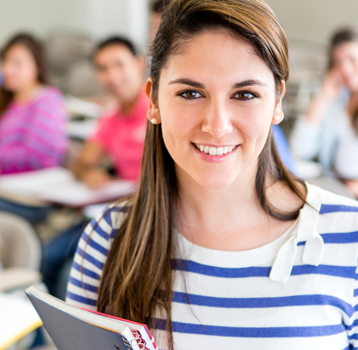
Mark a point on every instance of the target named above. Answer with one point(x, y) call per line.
point(355, 69)
point(33, 73)
point(10, 70)
point(27, 72)
point(256, 122)
point(104, 78)
point(177, 126)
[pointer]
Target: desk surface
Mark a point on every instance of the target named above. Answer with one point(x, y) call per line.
point(17, 319)
point(59, 186)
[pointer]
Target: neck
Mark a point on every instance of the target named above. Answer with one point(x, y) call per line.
point(131, 99)
point(218, 212)
point(231, 218)
point(26, 94)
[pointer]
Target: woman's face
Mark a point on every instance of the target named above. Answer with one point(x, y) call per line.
point(19, 69)
point(345, 61)
point(220, 97)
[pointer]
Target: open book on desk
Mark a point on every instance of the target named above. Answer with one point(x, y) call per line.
point(75, 328)
point(59, 186)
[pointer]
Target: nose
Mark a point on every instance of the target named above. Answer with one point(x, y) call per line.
point(114, 75)
point(217, 121)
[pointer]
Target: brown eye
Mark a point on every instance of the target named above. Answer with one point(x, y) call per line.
point(190, 94)
point(245, 95)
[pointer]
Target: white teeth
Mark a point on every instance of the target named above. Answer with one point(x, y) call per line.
point(213, 151)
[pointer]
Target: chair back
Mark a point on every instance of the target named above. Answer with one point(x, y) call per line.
point(21, 247)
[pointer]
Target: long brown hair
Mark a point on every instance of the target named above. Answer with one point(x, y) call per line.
point(35, 49)
point(340, 37)
point(137, 276)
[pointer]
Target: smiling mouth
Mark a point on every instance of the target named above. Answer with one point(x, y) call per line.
point(215, 151)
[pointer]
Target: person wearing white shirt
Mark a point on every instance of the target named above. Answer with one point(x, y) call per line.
point(329, 129)
point(222, 247)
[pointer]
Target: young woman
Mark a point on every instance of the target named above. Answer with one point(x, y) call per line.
point(221, 248)
point(32, 115)
point(329, 129)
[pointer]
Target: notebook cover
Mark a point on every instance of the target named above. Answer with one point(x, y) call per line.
point(68, 332)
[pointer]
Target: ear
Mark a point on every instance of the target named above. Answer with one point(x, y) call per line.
point(278, 113)
point(153, 110)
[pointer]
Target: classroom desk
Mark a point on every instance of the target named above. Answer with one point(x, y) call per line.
point(59, 186)
point(17, 319)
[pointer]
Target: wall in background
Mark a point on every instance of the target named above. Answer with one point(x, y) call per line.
point(314, 20)
point(304, 20)
point(95, 17)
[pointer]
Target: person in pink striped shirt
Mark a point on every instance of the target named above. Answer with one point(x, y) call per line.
point(32, 114)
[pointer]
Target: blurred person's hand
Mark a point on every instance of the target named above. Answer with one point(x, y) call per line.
point(332, 85)
point(103, 100)
point(96, 178)
point(352, 186)
point(86, 167)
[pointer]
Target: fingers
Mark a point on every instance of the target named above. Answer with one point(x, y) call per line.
point(96, 179)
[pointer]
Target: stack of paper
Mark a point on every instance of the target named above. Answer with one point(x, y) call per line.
point(17, 319)
point(59, 186)
point(77, 106)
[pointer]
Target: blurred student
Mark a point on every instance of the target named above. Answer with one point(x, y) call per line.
point(32, 115)
point(32, 118)
point(329, 130)
point(121, 132)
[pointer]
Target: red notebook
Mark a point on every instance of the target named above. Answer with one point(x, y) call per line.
point(140, 331)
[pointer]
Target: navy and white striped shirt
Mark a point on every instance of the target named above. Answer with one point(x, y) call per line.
point(299, 292)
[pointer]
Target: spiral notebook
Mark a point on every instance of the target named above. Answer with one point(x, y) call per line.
point(75, 328)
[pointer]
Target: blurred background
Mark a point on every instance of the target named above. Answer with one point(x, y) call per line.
point(39, 227)
point(69, 29)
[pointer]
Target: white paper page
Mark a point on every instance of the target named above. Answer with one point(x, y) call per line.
point(91, 211)
point(81, 129)
point(17, 318)
point(82, 107)
point(36, 182)
point(58, 185)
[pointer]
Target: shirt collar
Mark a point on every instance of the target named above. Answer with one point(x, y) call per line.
point(305, 231)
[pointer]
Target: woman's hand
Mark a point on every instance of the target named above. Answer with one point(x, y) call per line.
point(332, 85)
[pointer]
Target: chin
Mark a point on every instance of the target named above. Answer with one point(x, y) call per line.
point(352, 85)
point(9, 87)
point(215, 181)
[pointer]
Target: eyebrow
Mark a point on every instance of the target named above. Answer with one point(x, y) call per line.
point(198, 85)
